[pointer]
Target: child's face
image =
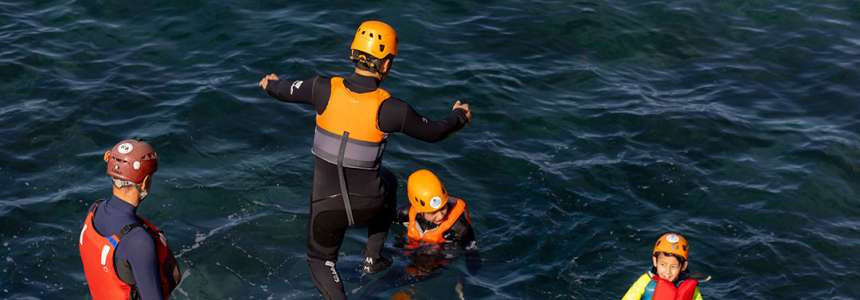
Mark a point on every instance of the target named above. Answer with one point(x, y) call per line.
point(668, 266)
point(436, 217)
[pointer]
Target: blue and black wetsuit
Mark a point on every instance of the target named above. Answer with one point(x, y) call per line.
point(372, 192)
point(135, 257)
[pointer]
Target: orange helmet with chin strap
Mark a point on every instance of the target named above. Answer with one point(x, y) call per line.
point(374, 42)
point(672, 243)
point(426, 192)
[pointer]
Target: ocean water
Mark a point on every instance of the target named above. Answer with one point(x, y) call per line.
point(597, 126)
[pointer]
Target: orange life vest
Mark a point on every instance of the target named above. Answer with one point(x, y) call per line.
point(436, 235)
point(348, 128)
point(103, 275)
point(665, 290)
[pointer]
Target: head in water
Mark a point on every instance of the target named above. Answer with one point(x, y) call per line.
point(670, 255)
point(373, 48)
point(427, 195)
point(130, 165)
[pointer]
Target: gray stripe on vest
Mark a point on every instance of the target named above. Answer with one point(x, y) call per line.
point(357, 155)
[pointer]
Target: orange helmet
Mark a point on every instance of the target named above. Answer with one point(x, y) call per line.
point(131, 160)
point(425, 191)
point(375, 38)
point(672, 243)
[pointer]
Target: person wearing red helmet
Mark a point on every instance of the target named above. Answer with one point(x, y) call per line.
point(668, 278)
point(354, 117)
point(124, 256)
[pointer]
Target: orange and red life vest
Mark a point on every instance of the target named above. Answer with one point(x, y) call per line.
point(436, 235)
point(103, 275)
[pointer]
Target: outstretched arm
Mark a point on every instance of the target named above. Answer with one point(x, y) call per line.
point(395, 115)
point(314, 91)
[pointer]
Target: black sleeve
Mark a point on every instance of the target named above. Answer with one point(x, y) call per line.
point(402, 215)
point(462, 232)
point(465, 239)
point(395, 115)
point(314, 91)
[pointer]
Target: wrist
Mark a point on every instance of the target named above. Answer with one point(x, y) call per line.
point(461, 115)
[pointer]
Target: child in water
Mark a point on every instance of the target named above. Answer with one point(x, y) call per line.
point(434, 218)
point(435, 223)
point(668, 279)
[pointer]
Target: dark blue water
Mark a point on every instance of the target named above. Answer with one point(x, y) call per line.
point(598, 125)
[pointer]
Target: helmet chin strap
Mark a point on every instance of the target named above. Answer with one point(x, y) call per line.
point(141, 192)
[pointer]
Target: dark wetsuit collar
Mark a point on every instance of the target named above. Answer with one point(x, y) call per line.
point(118, 207)
point(424, 224)
point(361, 84)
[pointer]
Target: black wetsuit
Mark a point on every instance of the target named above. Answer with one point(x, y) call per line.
point(137, 248)
point(372, 192)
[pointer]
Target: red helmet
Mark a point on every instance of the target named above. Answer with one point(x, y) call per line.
point(131, 160)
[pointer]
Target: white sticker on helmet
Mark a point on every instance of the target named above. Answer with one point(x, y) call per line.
point(125, 148)
point(136, 165)
point(436, 202)
point(672, 238)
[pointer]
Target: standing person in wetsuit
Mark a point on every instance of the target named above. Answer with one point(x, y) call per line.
point(354, 118)
point(124, 256)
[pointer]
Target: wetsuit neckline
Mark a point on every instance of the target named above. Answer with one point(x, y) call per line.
point(361, 84)
point(115, 205)
point(424, 224)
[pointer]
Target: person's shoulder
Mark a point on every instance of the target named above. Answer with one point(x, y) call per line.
point(456, 200)
point(463, 223)
point(394, 100)
point(321, 80)
point(138, 238)
point(394, 104)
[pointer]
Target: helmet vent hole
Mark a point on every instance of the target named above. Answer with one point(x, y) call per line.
point(381, 48)
point(422, 203)
point(379, 36)
point(362, 32)
point(371, 34)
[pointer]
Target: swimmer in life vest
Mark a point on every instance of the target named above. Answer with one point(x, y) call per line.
point(668, 279)
point(354, 117)
point(124, 255)
point(434, 222)
point(434, 217)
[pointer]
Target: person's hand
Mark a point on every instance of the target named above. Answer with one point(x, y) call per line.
point(464, 107)
point(265, 81)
